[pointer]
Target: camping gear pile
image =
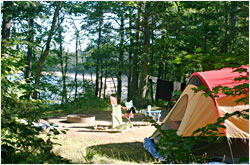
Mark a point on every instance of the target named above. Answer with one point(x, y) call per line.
point(194, 110)
point(155, 114)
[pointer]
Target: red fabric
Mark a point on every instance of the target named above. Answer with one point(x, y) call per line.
point(129, 115)
point(224, 77)
point(113, 101)
point(123, 108)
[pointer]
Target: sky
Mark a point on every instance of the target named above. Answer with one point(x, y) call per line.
point(69, 37)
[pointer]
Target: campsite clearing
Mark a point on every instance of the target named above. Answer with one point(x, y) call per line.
point(86, 144)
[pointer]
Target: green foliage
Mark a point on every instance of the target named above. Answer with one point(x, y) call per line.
point(89, 157)
point(89, 101)
point(85, 103)
point(244, 160)
point(20, 142)
point(178, 149)
point(161, 103)
point(212, 129)
point(193, 36)
point(175, 148)
point(176, 96)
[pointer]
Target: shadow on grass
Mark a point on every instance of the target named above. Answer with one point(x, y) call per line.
point(64, 121)
point(86, 127)
point(98, 131)
point(132, 152)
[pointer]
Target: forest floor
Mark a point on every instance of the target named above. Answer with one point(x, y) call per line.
point(85, 144)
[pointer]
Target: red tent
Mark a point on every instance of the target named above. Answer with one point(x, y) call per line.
point(193, 110)
point(224, 77)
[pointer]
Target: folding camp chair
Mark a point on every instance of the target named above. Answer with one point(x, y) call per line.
point(116, 116)
point(114, 102)
point(117, 113)
point(154, 113)
point(129, 106)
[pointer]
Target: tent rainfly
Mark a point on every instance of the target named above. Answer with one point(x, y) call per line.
point(194, 110)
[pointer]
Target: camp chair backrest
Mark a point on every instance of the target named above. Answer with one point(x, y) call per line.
point(129, 104)
point(113, 101)
point(116, 116)
point(149, 109)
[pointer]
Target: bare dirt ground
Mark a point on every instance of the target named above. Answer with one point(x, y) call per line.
point(112, 147)
point(103, 120)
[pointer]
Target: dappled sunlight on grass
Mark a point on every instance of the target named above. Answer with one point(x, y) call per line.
point(72, 148)
point(77, 149)
point(132, 152)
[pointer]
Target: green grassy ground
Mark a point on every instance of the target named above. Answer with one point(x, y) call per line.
point(80, 151)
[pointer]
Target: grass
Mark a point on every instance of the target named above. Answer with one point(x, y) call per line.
point(128, 152)
point(70, 148)
point(80, 151)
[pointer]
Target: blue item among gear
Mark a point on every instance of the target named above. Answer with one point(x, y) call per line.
point(150, 147)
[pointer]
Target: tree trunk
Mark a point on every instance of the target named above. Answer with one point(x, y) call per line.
point(114, 84)
point(6, 25)
point(119, 76)
point(105, 82)
point(164, 76)
point(233, 23)
point(60, 54)
point(98, 55)
point(82, 65)
point(64, 78)
point(6, 19)
point(130, 57)
point(101, 76)
point(152, 63)
point(76, 66)
point(91, 77)
point(46, 52)
point(205, 34)
point(83, 76)
point(105, 86)
point(160, 64)
point(145, 58)
point(160, 70)
point(83, 69)
point(30, 49)
point(225, 45)
point(64, 90)
point(135, 59)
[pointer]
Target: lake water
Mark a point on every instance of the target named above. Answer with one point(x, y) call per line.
point(111, 85)
point(52, 85)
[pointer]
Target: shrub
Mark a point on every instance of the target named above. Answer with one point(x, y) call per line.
point(20, 142)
